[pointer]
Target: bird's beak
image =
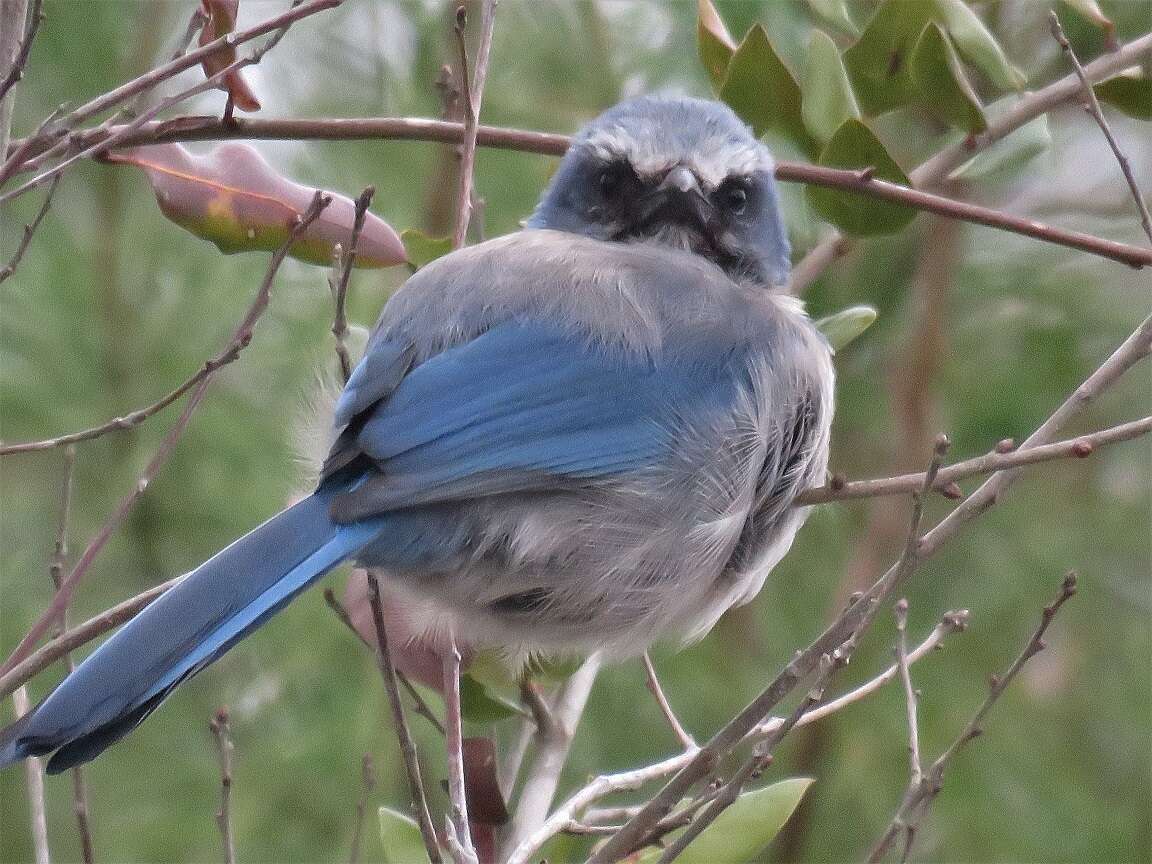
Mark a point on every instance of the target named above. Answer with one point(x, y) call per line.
point(680, 198)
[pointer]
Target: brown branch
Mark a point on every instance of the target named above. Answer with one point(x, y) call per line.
point(840, 635)
point(16, 70)
point(80, 635)
point(242, 336)
point(1079, 447)
point(1098, 116)
point(915, 766)
point(457, 828)
point(665, 708)
point(386, 128)
point(368, 786)
point(923, 790)
point(936, 170)
point(34, 787)
point(338, 282)
point(221, 731)
point(472, 90)
point(29, 231)
point(403, 733)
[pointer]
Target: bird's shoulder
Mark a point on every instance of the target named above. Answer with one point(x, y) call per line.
point(640, 299)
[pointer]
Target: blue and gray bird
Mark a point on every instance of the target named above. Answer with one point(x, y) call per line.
point(584, 436)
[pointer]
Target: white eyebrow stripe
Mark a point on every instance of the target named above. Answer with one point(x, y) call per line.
point(711, 159)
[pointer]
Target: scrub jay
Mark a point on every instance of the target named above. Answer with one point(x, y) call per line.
point(583, 436)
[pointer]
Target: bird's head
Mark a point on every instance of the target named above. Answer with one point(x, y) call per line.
point(684, 172)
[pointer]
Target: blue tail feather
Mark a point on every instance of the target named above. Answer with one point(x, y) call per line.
point(210, 610)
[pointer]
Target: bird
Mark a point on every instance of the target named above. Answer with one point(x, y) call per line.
point(583, 436)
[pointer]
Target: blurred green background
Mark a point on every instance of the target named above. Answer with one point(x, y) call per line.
point(981, 334)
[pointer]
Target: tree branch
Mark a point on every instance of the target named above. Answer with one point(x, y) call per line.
point(1098, 116)
point(242, 336)
point(16, 70)
point(221, 731)
point(338, 282)
point(473, 93)
point(1080, 447)
point(923, 790)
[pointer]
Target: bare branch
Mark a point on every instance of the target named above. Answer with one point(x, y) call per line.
point(222, 732)
point(1098, 116)
point(242, 336)
point(29, 232)
point(998, 460)
point(34, 787)
point(666, 709)
point(924, 789)
point(338, 282)
point(457, 827)
point(368, 786)
point(403, 733)
point(915, 768)
point(473, 93)
point(16, 70)
point(936, 169)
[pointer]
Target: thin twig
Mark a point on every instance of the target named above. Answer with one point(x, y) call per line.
point(368, 786)
point(221, 731)
point(665, 708)
point(472, 89)
point(29, 232)
point(403, 733)
point(241, 337)
point(915, 768)
point(1079, 447)
point(16, 70)
point(552, 745)
point(34, 788)
point(837, 636)
point(1098, 116)
point(923, 791)
point(338, 282)
point(80, 635)
point(456, 825)
point(936, 169)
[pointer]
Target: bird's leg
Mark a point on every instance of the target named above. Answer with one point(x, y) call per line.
point(459, 836)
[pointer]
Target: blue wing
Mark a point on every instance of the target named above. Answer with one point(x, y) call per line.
point(525, 406)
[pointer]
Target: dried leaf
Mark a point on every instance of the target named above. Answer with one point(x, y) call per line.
point(943, 86)
point(713, 41)
point(855, 146)
point(233, 198)
point(828, 98)
point(763, 91)
point(220, 21)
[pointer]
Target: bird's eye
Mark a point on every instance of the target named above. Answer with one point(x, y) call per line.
point(734, 198)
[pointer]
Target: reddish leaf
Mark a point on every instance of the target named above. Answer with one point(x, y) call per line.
point(221, 20)
point(234, 198)
point(486, 803)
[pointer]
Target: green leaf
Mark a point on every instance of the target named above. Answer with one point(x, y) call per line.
point(400, 837)
point(854, 146)
point(844, 327)
point(422, 249)
point(978, 46)
point(553, 668)
point(481, 705)
point(943, 86)
point(745, 828)
point(1012, 151)
point(1091, 10)
point(1128, 94)
point(835, 12)
point(713, 41)
point(762, 90)
point(878, 62)
point(827, 93)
